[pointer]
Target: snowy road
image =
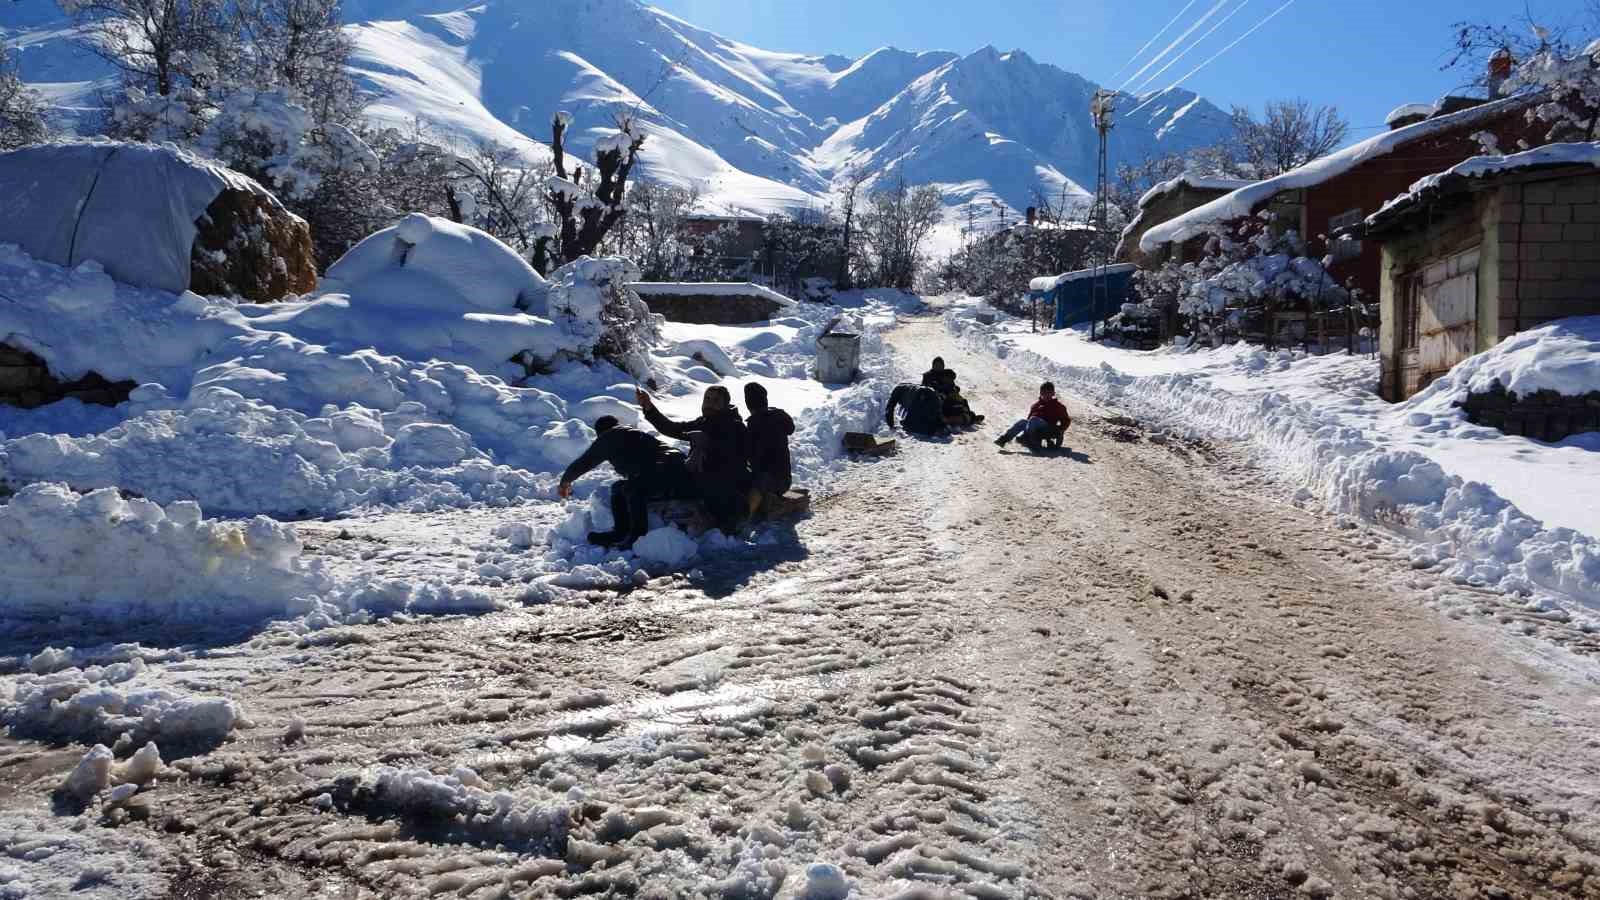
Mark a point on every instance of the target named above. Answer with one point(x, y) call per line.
point(1123, 672)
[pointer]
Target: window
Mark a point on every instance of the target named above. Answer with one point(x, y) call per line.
point(1343, 249)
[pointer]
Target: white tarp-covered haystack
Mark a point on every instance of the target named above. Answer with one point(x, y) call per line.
point(132, 208)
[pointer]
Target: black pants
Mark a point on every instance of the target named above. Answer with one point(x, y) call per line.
point(726, 499)
point(631, 498)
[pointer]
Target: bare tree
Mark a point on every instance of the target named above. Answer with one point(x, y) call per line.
point(1523, 37)
point(159, 46)
point(895, 225)
point(585, 216)
point(1291, 134)
point(1136, 179)
point(854, 179)
point(301, 44)
point(22, 119)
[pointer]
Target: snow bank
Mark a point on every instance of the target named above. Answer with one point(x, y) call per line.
point(1244, 201)
point(1562, 356)
point(1318, 422)
point(107, 706)
point(101, 560)
point(311, 401)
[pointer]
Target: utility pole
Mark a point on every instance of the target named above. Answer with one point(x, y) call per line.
point(1102, 108)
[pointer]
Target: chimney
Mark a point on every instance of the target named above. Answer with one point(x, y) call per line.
point(1500, 66)
point(1033, 215)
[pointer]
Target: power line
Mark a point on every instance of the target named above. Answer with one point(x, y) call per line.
point(1175, 42)
point(1157, 37)
point(1202, 39)
point(1215, 56)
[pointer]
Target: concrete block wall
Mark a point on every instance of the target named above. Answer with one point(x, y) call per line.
point(1550, 237)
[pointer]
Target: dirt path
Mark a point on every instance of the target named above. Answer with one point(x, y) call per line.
point(1122, 672)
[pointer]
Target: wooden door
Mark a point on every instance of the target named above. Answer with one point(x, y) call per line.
point(1449, 315)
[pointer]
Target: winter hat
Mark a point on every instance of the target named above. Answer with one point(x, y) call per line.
point(605, 424)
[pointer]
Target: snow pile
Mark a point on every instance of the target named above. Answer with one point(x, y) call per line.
point(106, 705)
point(1245, 200)
point(312, 402)
point(1410, 111)
point(1484, 508)
point(1561, 356)
point(461, 799)
point(98, 559)
point(98, 770)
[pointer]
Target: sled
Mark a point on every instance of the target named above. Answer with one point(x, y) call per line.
point(866, 444)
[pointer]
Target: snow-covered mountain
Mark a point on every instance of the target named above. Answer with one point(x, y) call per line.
point(753, 129)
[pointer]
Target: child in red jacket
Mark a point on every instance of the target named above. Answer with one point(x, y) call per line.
point(1046, 421)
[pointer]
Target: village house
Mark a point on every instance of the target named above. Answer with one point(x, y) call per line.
point(1332, 193)
point(1165, 202)
point(1488, 248)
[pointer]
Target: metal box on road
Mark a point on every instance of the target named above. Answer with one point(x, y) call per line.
point(838, 357)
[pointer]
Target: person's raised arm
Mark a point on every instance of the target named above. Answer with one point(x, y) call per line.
point(661, 423)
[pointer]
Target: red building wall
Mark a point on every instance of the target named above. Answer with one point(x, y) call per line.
point(1372, 183)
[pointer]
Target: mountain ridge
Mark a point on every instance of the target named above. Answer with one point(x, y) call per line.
point(753, 130)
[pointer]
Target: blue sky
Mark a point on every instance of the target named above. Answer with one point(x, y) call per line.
point(1365, 56)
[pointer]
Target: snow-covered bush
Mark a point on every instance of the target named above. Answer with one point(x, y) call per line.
point(21, 110)
point(1245, 276)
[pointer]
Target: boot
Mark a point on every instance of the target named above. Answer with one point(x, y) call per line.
point(608, 539)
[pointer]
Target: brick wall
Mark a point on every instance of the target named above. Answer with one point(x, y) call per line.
point(1550, 237)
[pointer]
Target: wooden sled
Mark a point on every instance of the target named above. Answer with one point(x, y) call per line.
point(866, 444)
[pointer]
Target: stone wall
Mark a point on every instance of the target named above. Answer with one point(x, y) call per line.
point(717, 309)
point(1544, 416)
point(26, 381)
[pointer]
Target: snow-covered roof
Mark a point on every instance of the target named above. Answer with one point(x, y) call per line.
point(1485, 167)
point(1198, 182)
point(1244, 201)
point(1410, 111)
point(1051, 282)
point(707, 289)
point(129, 207)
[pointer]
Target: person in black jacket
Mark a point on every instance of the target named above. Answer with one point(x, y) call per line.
point(922, 409)
point(943, 380)
point(769, 430)
point(718, 454)
point(650, 470)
